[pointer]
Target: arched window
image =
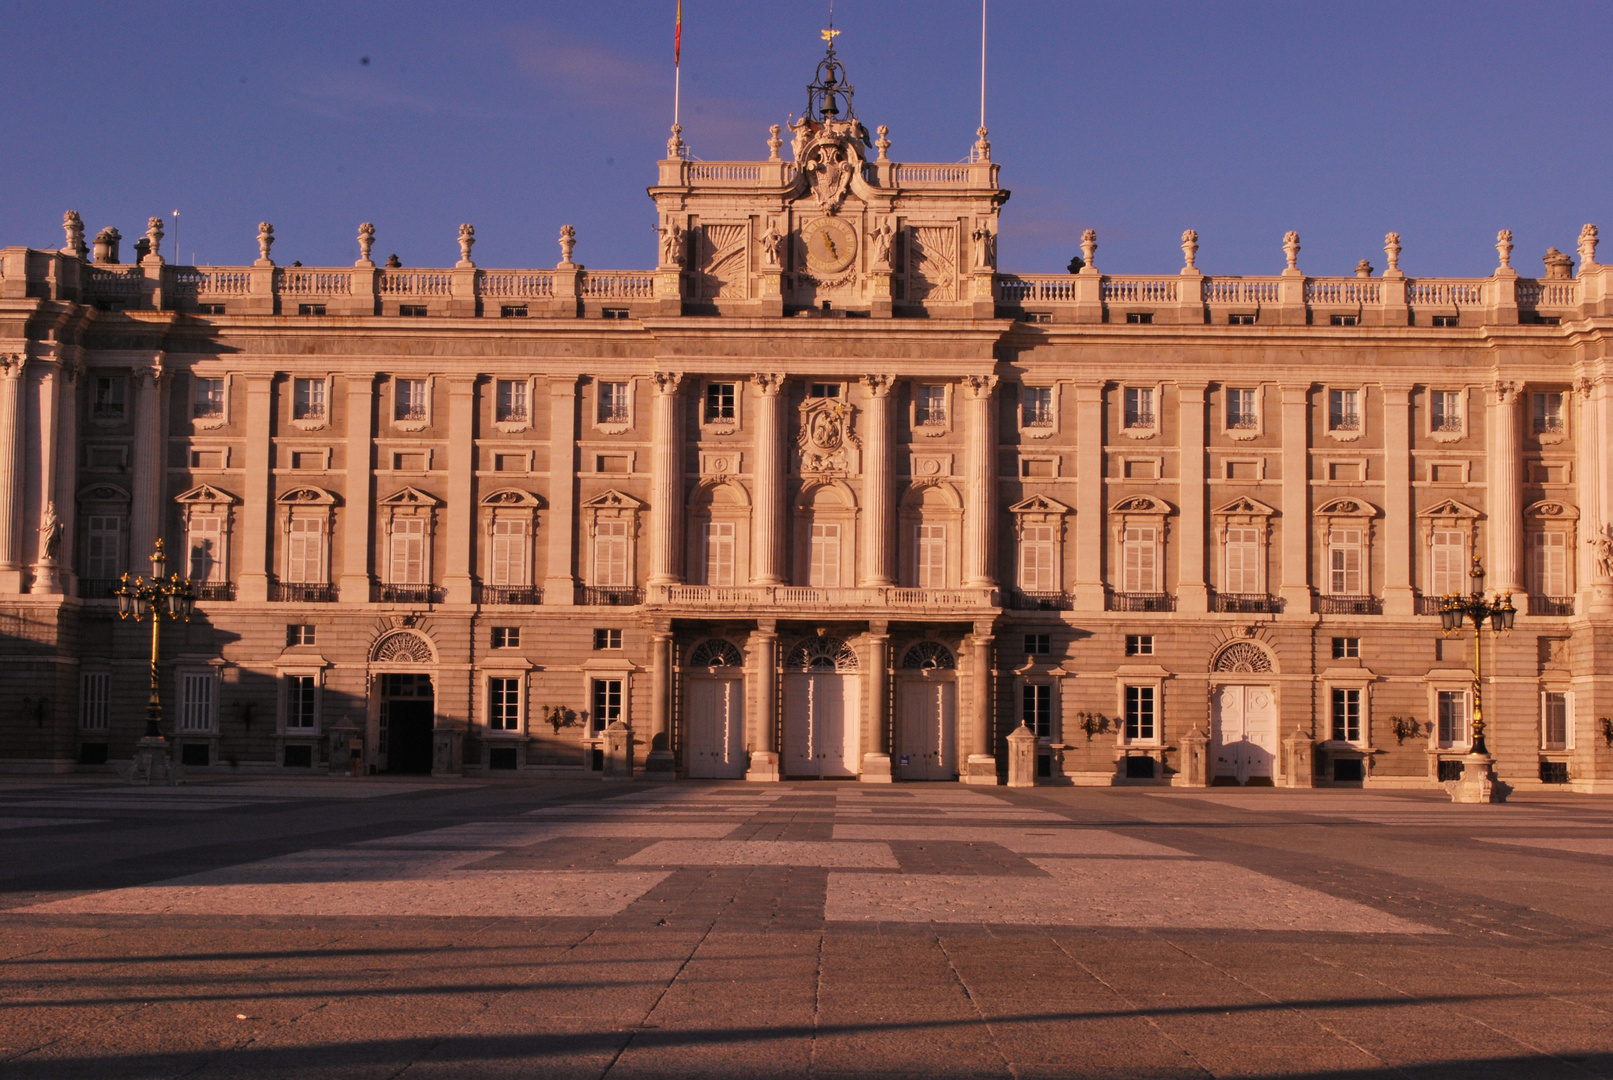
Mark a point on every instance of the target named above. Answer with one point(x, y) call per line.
point(822, 654)
point(715, 652)
point(928, 656)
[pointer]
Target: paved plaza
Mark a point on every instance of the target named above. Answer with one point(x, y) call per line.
point(373, 928)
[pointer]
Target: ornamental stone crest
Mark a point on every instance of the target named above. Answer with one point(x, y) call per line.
point(825, 442)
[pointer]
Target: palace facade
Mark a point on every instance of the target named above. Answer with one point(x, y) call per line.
point(823, 494)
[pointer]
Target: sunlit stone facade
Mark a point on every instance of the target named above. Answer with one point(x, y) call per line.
point(823, 493)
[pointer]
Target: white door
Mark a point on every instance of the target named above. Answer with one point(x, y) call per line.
point(716, 726)
point(1244, 732)
point(820, 728)
point(926, 734)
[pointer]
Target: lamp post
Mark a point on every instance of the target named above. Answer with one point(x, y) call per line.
point(140, 599)
point(1454, 613)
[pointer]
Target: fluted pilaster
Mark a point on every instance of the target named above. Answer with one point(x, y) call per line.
point(1505, 493)
point(879, 487)
point(145, 524)
point(666, 481)
point(560, 582)
point(11, 370)
point(979, 516)
point(767, 515)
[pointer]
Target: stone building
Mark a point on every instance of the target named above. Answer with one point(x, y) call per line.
point(824, 493)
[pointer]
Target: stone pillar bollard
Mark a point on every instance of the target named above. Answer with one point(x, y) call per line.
point(1298, 770)
point(1021, 757)
point(152, 765)
point(618, 751)
point(1195, 770)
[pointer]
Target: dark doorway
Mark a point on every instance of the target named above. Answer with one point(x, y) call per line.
point(407, 717)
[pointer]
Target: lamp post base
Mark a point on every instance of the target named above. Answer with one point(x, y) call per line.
point(151, 764)
point(1477, 785)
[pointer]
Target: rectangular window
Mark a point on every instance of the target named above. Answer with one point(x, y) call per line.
point(302, 709)
point(930, 556)
point(823, 565)
point(823, 390)
point(1036, 709)
point(504, 704)
point(1038, 644)
point(1447, 564)
point(613, 403)
point(1344, 410)
point(408, 551)
point(1037, 573)
point(109, 402)
point(1346, 648)
point(299, 634)
point(311, 309)
point(510, 401)
point(1138, 560)
point(305, 550)
point(1347, 714)
point(720, 406)
point(410, 403)
point(718, 542)
point(94, 700)
point(1243, 560)
point(205, 537)
point(610, 555)
point(607, 639)
point(1242, 409)
point(1550, 564)
point(1454, 710)
point(1345, 320)
point(1549, 414)
point(930, 406)
point(1139, 407)
point(209, 401)
point(607, 703)
point(1139, 713)
point(1555, 722)
point(1445, 410)
point(308, 399)
point(1344, 563)
point(1447, 320)
point(103, 546)
point(1038, 407)
point(1139, 644)
point(512, 311)
point(409, 311)
point(506, 637)
point(1140, 318)
point(507, 555)
point(1240, 319)
point(196, 702)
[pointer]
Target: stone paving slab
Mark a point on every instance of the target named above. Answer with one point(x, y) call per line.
point(1584, 846)
point(1068, 841)
point(763, 853)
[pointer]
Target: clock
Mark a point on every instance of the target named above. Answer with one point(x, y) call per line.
point(831, 244)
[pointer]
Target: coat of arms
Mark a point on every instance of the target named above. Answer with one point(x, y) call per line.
point(825, 442)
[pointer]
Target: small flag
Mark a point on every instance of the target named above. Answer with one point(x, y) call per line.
point(827, 35)
point(677, 37)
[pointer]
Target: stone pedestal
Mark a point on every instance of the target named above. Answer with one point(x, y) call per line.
point(618, 746)
point(1021, 757)
point(1298, 770)
point(1195, 771)
point(771, 299)
point(876, 769)
point(152, 764)
point(764, 767)
point(980, 769)
point(880, 302)
point(47, 580)
point(1477, 785)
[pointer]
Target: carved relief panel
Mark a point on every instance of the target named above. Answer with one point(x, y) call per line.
point(720, 262)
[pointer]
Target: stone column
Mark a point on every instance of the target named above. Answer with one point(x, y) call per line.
point(1399, 592)
point(560, 581)
point(764, 763)
point(1503, 473)
point(358, 511)
point(981, 766)
point(1089, 594)
point(980, 508)
point(256, 513)
point(11, 492)
point(879, 486)
point(1594, 585)
point(67, 472)
point(659, 759)
point(1192, 592)
point(767, 466)
point(666, 482)
point(460, 573)
point(1296, 589)
point(876, 766)
point(46, 580)
point(149, 468)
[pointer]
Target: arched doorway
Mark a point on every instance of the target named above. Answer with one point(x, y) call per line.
point(1243, 715)
point(714, 712)
point(405, 703)
point(821, 693)
point(927, 713)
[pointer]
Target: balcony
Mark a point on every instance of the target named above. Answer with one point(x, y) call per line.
point(407, 594)
point(814, 600)
point(215, 590)
point(509, 594)
point(611, 596)
point(1349, 605)
point(1121, 601)
point(1247, 603)
point(1020, 600)
point(1429, 605)
point(300, 592)
point(90, 588)
point(1551, 605)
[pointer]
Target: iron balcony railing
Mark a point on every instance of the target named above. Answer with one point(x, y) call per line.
point(1551, 605)
point(215, 590)
point(1247, 603)
point(408, 594)
point(1349, 605)
point(302, 592)
point(611, 596)
point(509, 594)
point(1021, 600)
point(1123, 601)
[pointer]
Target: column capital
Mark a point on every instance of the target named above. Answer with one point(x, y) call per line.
point(880, 385)
point(1296, 394)
point(980, 386)
point(1507, 391)
point(563, 386)
point(11, 365)
point(667, 383)
point(768, 382)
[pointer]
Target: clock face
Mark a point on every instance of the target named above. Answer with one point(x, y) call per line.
point(831, 244)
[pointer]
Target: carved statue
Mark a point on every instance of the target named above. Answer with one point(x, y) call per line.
point(50, 534)
point(568, 243)
point(467, 238)
point(772, 246)
point(1603, 545)
point(884, 237)
point(800, 132)
point(265, 240)
point(73, 226)
point(985, 247)
point(672, 244)
point(366, 240)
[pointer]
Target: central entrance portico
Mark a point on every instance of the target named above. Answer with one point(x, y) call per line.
point(1244, 733)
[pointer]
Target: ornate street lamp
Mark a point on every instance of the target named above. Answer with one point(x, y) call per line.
point(1454, 612)
point(139, 599)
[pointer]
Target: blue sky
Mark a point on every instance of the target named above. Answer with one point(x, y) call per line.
point(1442, 121)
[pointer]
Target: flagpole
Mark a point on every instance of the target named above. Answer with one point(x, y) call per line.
point(982, 63)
